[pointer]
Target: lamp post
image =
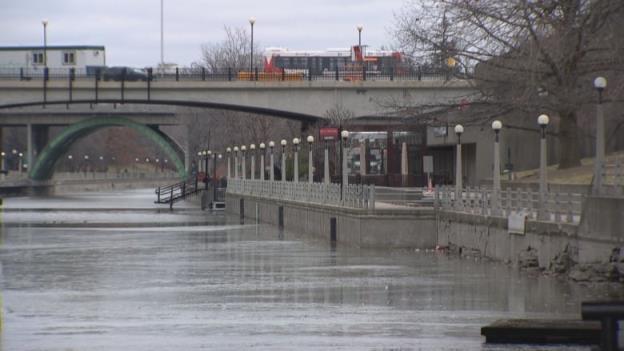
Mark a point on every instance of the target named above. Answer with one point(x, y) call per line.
point(344, 135)
point(244, 161)
point(326, 179)
point(283, 142)
point(252, 21)
point(310, 163)
point(229, 164)
point(543, 121)
point(359, 29)
point(496, 186)
point(45, 42)
point(207, 154)
point(235, 162)
point(252, 150)
point(262, 147)
point(20, 162)
point(214, 176)
point(296, 142)
point(2, 154)
point(459, 129)
point(271, 168)
point(600, 83)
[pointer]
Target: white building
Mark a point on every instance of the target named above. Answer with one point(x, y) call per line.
point(78, 56)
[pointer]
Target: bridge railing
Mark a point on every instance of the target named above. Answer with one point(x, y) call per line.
point(354, 195)
point(202, 74)
point(555, 207)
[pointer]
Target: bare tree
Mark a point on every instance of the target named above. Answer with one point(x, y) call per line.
point(233, 52)
point(526, 56)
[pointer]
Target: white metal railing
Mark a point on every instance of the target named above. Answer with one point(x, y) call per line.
point(555, 207)
point(613, 177)
point(355, 195)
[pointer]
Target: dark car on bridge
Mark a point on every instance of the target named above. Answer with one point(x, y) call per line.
point(124, 73)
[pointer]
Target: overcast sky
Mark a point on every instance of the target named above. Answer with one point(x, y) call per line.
point(130, 29)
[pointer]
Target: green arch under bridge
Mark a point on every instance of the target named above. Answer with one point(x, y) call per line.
point(43, 168)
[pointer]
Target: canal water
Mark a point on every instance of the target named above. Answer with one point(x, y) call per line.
point(112, 271)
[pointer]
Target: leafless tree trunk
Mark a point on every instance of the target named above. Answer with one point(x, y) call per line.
point(526, 57)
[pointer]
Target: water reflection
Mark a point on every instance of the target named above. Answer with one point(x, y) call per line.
point(221, 285)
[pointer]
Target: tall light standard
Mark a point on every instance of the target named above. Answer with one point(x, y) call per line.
point(283, 142)
point(252, 21)
point(459, 129)
point(296, 142)
point(244, 161)
point(496, 186)
point(600, 83)
point(326, 179)
point(235, 162)
point(543, 121)
point(229, 164)
point(45, 42)
point(271, 167)
point(214, 176)
point(3, 155)
point(310, 163)
point(14, 153)
point(252, 150)
point(207, 154)
point(20, 161)
point(345, 176)
point(262, 147)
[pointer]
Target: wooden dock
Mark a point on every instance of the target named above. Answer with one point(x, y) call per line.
point(542, 331)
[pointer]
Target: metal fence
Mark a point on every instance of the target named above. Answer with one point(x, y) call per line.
point(554, 207)
point(354, 195)
point(203, 74)
point(613, 178)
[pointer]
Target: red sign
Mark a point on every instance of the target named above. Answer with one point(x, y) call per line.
point(329, 133)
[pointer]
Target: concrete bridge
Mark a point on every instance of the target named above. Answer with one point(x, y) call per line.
point(304, 101)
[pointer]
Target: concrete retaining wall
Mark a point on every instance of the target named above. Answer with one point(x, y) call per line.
point(398, 229)
point(593, 241)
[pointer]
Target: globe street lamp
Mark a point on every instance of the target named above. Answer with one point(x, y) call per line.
point(235, 162)
point(2, 154)
point(262, 147)
point(244, 163)
point(207, 154)
point(326, 178)
point(283, 143)
point(542, 121)
point(496, 186)
point(45, 43)
point(271, 167)
point(252, 21)
point(229, 162)
point(310, 140)
point(459, 130)
point(21, 162)
point(600, 83)
point(252, 150)
point(296, 142)
point(345, 178)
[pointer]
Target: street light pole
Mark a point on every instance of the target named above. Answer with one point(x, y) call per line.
point(235, 162)
point(45, 42)
point(310, 163)
point(207, 155)
point(271, 168)
point(345, 176)
point(252, 21)
point(600, 83)
point(296, 142)
point(244, 166)
point(252, 150)
point(262, 146)
point(496, 186)
point(283, 142)
point(326, 164)
point(229, 162)
point(459, 129)
point(543, 121)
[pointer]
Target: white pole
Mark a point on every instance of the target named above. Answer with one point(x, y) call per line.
point(296, 167)
point(253, 165)
point(271, 168)
point(310, 165)
point(283, 164)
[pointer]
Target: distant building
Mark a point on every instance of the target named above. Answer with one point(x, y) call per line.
point(79, 56)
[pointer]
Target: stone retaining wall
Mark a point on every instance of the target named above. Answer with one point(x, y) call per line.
point(388, 229)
